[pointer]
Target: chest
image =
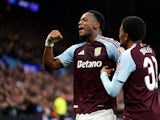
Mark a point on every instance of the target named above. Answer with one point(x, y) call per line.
point(91, 52)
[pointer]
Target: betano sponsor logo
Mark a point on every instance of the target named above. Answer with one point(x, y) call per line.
point(88, 64)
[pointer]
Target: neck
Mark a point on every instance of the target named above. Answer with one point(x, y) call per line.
point(130, 43)
point(92, 38)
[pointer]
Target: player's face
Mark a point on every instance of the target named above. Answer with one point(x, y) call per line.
point(86, 25)
point(123, 37)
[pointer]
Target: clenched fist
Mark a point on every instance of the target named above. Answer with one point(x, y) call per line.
point(53, 37)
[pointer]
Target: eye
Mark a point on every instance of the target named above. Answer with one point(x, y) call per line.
point(85, 19)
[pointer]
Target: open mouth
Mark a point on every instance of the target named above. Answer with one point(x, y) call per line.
point(80, 28)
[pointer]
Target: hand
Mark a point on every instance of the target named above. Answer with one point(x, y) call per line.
point(53, 37)
point(107, 70)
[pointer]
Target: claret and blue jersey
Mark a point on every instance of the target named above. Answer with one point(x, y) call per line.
point(88, 59)
point(137, 72)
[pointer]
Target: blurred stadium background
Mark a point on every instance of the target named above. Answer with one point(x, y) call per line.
point(26, 91)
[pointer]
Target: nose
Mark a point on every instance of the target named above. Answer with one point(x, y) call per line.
point(80, 22)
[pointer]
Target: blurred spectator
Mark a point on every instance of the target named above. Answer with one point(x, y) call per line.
point(30, 93)
point(60, 105)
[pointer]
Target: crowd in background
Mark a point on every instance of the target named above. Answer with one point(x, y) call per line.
point(32, 93)
point(27, 93)
point(22, 92)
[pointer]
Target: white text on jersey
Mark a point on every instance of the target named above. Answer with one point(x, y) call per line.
point(88, 64)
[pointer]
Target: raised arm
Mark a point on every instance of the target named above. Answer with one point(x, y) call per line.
point(49, 62)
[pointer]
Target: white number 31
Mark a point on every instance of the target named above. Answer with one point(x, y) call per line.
point(151, 82)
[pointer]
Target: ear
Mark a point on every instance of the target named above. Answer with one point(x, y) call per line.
point(96, 25)
point(126, 36)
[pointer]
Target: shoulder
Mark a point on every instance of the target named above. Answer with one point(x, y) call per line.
point(75, 46)
point(126, 55)
point(108, 41)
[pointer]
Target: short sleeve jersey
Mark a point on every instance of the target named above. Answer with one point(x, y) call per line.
point(140, 89)
point(88, 60)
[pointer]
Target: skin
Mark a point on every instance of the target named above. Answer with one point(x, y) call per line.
point(124, 38)
point(87, 25)
point(49, 63)
point(125, 41)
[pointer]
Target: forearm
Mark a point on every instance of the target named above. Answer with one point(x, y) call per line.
point(49, 63)
point(48, 56)
point(112, 87)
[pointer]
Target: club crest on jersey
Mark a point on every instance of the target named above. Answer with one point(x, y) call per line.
point(97, 51)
